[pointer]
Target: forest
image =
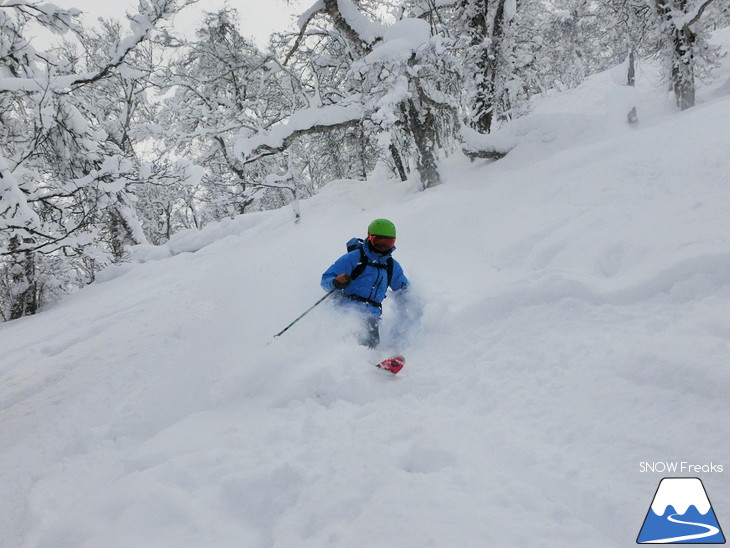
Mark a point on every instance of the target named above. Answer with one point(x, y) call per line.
point(125, 132)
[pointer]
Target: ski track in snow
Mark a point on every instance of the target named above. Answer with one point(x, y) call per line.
point(711, 530)
point(569, 309)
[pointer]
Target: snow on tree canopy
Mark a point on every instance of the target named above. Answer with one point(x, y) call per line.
point(400, 40)
point(191, 174)
point(510, 9)
point(366, 29)
point(414, 31)
point(14, 208)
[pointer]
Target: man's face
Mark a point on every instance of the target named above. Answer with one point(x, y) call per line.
point(381, 243)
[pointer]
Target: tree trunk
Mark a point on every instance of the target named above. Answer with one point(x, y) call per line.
point(332, 9)
point(23, 276)
point(485, 101)
point(682, 50)
point(419, 119)
point(398, 162)
point(683, 74)
point(117, 235)
point(477, 24)
point(421, 126)
point(632, 116)
point(362, 144)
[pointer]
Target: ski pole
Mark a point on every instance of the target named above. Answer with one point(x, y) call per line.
point(307, 311)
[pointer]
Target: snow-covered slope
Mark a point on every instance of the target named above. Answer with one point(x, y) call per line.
point(572, 304)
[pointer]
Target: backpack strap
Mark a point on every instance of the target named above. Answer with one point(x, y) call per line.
point(358, 243)
point(359, 267)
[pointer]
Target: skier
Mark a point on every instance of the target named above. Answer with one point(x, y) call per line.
point(363, 274)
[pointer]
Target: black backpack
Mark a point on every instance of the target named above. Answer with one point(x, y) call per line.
point(358, 243)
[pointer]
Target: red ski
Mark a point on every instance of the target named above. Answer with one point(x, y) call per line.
point(393, 364)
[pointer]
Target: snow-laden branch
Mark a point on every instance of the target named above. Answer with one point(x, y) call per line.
point(303, 22)
point(305, 17)
point(400, 41)
point(361, 31)
point(310, 120)
point(488, 146)
point(13, 204)
point(692, 16)
point(272, 180)
point(367, 30)
point(150, 14)
point(50, 16)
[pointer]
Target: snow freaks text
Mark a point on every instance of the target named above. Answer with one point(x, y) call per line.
point(677, 467)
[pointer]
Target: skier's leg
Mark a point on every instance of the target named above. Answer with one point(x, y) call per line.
point(370, 335)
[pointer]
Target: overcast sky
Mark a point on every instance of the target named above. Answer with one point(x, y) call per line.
point(259, 18)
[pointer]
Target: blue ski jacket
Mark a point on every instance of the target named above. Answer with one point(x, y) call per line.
point(368, 289)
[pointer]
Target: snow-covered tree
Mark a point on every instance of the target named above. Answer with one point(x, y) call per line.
point(685, 45)
point(374, 78)
point(108, 140)
point(65, 162)
point(219, 85)
point(485, 25)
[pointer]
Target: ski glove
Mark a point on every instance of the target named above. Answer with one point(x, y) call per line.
point(341, 281)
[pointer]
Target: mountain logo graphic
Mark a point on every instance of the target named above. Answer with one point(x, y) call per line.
point(680, 513)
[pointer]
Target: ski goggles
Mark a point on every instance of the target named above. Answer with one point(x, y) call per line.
point(381, 242)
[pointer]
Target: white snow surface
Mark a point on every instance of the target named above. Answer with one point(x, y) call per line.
point(573, 302)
